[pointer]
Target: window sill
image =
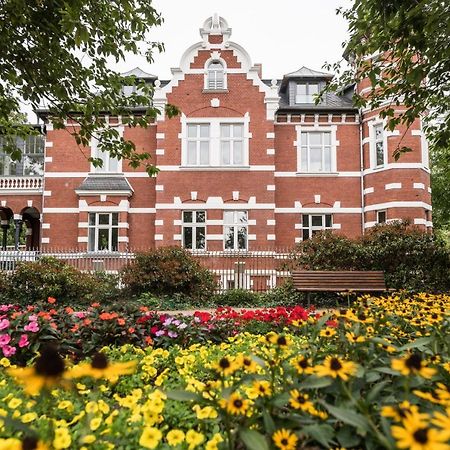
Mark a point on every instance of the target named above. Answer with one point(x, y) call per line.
point(317, 174)
point(214, 168)
point(214, 91)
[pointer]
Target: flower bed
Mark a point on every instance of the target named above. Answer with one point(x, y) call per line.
point(375, 376)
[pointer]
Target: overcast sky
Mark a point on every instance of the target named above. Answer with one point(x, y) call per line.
point(283, 35)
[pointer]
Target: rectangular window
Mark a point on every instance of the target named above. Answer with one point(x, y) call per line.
point(31, 163)
point(378, 134)
point(194, 230)
point(109, 164)
point(306, 92)
point(103, 232)
point(198, 144)
point(232, 144)
point(315, 151)
point(313, 223)
point(381, 216)
point(235, 230)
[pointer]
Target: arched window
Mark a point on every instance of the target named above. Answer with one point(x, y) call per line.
point(215, 76)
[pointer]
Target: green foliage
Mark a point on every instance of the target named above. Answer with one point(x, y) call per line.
point(240, 298)
point(165, 272)
point(409, 45)
point(58, 52)
point(411, 259)
point(33, 282)
point(440, 183)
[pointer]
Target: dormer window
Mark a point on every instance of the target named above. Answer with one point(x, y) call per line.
point(215, 76)
point(306, 92)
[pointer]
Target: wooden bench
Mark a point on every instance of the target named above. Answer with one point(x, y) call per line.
point(338, 281)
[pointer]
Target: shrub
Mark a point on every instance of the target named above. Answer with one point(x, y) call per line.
point(411, 259)
point(48, 277)
point(167, 271)
point(239, 298)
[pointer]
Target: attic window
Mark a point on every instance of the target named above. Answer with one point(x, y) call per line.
point(215, 76)
point(306, 92)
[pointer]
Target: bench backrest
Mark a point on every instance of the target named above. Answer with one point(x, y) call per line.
point(324, 280)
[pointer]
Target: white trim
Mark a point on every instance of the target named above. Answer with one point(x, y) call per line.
point(271, 237)
point(66, 174)
point(270, 151)
point(177, 222)
point(160, 135)
point(329, 210)
point(47, 193)
point(83, 193)
point(159, 188)
point(429, 190)
point(375, 122)
point(45, 240)
point(159, 222)
point(392, 186)
point(270, 135)
point(159, 237)
point(142, 210)
point(48, 159)
point(389, 205)
point(251, 237)
point(416, 133)
point(271, 187)
point(315, 174)
point(177, 237)
point(271, 222)
point(214, 237)
point(159, 152)
point(395, 166)
point(46, 226)
point(48, 144)
point(369, 190)
point(317, 198)
point(418, 186)
point(60, 210)
point(82, 239)
point(336, 226)
point(122, 239)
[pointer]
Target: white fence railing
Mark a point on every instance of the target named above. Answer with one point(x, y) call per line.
point(21, 183)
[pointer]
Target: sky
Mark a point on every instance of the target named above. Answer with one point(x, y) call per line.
point(283, 35)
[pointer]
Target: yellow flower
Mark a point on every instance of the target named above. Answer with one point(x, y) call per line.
point(327, 332)
point(150, 437)
point(247, 363)
point(226, 366)
point(352, 338)
point(62, 438)
point(302, 365)
point(14, 403)
point(416, 435)
point(259, 388)
point(194, 439)
point(285, 439)
point(29, 417)
point(46, 373)
point(235, 404)
point(398, 412)
point(207, 412)
point(30, 442)
point(100, 367)
point(334, 366)
point(443, 421)
point(88, 439)
point(412, 364)
point(95, 423)
point(175, 437)
point(300, 401)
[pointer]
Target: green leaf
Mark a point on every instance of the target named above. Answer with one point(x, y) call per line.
point(314, 382)
point(183, 396)
point(323, 434)
point(347, 437)
point(280, 400)
point(269, 424)
point(350, 417)
point(253, 440)
point(418, 343)
point(375, 391)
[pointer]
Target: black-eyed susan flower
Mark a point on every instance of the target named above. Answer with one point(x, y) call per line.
point(285, 439)
point(333, 366)
point(226, 366)
point(299, 400)
point(442, 421)
point(150, 437)
point(175, 437)
point(412, 364)
point(27, 443)
point(46, 373)
point(235, 404)
point(399, 412)
point(417, 435)
point(353, 338)
point(100, 367)
point(246, 363)
point(259, 388)
point(302, 365)
point(327, 332)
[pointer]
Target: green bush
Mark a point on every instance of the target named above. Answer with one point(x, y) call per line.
point(35, 281)
point(411, 259)
point(167, 271)
point(239, 298)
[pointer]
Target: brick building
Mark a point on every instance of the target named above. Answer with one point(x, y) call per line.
point(250, 163)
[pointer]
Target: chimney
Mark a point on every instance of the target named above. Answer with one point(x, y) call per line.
point(259, 68)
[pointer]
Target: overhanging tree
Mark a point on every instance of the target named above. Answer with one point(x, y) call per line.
point(408, 45)
point(60, 53)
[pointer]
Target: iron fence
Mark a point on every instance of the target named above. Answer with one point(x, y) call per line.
point(256, 270)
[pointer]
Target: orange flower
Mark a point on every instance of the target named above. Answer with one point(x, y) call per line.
point(95, 305)
point(69, 310)
point(51, 300)
point(143, 308)
point(87, 322)
point(53, 311)
point(53, 325)
point(121, 321)
point(74, 328)
point(148, 340)
point(131, 330)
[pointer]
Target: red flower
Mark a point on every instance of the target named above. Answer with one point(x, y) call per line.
point(154, 329)
point(131, 330)
point(51, 300)
point(121, 321)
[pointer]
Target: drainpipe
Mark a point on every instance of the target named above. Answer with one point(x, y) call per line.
point(361, 156)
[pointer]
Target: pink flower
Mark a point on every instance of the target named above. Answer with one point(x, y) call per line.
point(32, 317)
point(4, 323)
point(32, 326)
point(8, 350)
point(23, 341)
point(80, 315)
point(5, 339)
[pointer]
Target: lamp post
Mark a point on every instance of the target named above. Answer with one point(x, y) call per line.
point(5, 228)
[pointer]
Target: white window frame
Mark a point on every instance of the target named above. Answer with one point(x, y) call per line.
point(232, 140)
point(373, 149)
point(334, 144)
point(312, 227)
point(105, 157)
point(308, 96)
point(194, 225)
point(235, 224)
point(215, 152)
point(206, 86)
point(97, 226)
point(198, 139)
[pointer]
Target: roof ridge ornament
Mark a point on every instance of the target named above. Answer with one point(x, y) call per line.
point(215, 25)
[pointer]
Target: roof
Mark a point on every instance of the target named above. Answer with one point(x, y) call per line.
point(139, 73)
point(305, 72)
point(331, 102)
point(105, 183)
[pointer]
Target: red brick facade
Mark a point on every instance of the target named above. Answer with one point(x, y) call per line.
point(266, 180)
